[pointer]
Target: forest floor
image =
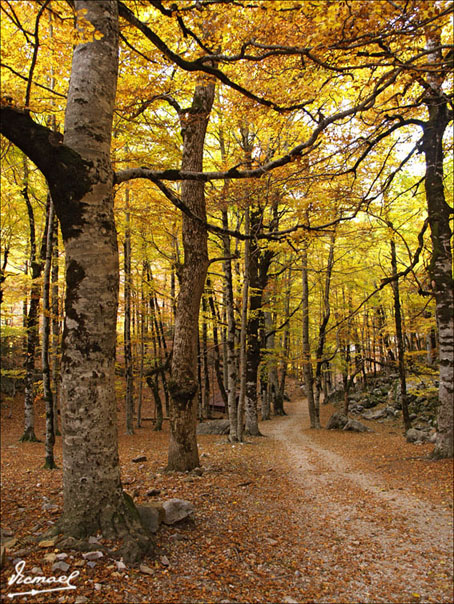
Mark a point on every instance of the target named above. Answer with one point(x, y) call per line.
point(296, 516)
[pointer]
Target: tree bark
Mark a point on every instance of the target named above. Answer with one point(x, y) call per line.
point(400, 339)
point(217, 345)
point(129, 396)
point(204, 385)
point(49, 462)
point(183, 454)
point(80, 178)
point(322, 329)
point(307, 362)
point(32, 317)
point(231, 360)
point(243, 330)
point(440, 213)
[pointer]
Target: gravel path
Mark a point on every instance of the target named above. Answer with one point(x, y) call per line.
point(380, 545)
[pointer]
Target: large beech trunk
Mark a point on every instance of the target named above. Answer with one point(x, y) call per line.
point(93, 496)
point(183, 454)
point(80, 179)
point(440, 213)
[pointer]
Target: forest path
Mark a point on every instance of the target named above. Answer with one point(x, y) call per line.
point(401, 547)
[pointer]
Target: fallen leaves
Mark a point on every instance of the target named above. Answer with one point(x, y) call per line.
point(257, 535)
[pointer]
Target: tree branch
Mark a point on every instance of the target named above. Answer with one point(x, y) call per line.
point(199, 65)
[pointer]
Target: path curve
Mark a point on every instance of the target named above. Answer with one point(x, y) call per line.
point(402, 546)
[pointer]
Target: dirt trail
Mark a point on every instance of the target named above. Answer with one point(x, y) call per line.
point(402, 546)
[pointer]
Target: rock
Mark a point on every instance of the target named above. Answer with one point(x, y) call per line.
point(369, 402)
point(153, 492)
point(120, 565)
point(354, 425)
point(337, 421)
point(80, 600)
point(92, 555)
point(139, 459)
point(93, 539)
point(91, 564)
point(10, 543)
point(151, 516)
point(417, 436)
point(146, 570)
point(36, 570)
point(48, 542)
point(62, 556)
point(176, 510)
point(60, 565)
point(98, 586)
point(50, 558)
point(5, 532)
point(356, 408)
point(377, 414)
point(197, 471)
point(164, 561)
point(217, 426)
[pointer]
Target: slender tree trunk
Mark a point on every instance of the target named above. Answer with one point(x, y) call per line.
point(230, 310)
point(400, 340)
point(55, 314)
point(32, 317)
point(279, 403)
point(322, 329)
point(217, 345)
point(204, 358)
point(141, 321)
point(307, 367)
point(46, 331)
point(243, 330)
point(183, 454)
point(129, 397)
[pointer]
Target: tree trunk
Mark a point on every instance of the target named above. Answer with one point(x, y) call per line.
point(55, 313)
point(442, 283)
point(183, 454)
point(46, 325)
point(400, 340)
point(231, 362)
point(307, 366)
point(129, 397)
point(322, 329)
point(80, 178)
point(279, 402)
point(217, 345)
point(32, 317)
point(243, 330)
point(204, 385)
point(141, 347)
